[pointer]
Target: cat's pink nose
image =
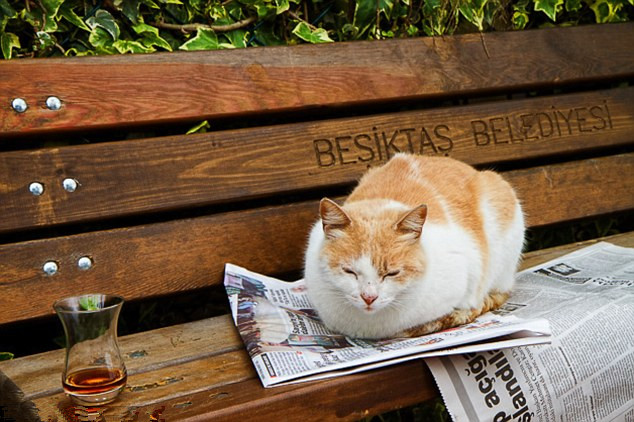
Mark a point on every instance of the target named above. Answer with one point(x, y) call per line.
point(368, 298)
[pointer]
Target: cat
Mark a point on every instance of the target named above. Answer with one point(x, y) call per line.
point(420, 245)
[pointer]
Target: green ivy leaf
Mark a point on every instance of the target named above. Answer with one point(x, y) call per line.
point(549, 7)
point(520, 20)
point(521, 16)
point(281, 6)
point(200, 5)
point(266, 36)
point(7, 10)
point(151, 4)
point(103, 19)
point(435, 17)
point(319, 35)
point(51, 7)
point(102, 41)
point(129, 8)
point(150, 36)
point(201, 127)
point(386, 7)
point(365, 13)
point(215, 12)
point(473, 11)
point(45, 40)
point(431, 6)
point(491, 11)
point(75, 52)
point(605, 11)
point(67, 12)
point(9, 41)
point(6, 356)
point(265, 10)
point(127, 46)
point(171, 1)
point(237, 38)
point(205, 39)
point(33, 17)
point(179, 14)
point(573, 5)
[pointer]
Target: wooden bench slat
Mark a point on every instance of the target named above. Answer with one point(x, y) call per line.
point(348, 398)
point(187, 254)
point(39, 375)
point(95, 91)
point(124, 178)
point(168, 383)
point(209, 393)
point(341, 396)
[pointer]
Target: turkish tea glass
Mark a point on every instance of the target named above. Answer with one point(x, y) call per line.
point(94, 371)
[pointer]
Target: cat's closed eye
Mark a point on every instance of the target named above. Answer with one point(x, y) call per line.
point(350, 271)
point(392, 273)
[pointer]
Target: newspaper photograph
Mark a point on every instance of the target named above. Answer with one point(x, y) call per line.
point(585, 374)
point(288, 343)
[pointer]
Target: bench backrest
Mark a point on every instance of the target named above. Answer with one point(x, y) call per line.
point(157, 215)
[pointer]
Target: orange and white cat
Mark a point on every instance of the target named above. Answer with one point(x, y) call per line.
point(421, 244)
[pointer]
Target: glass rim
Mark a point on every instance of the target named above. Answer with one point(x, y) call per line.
point(58, 305)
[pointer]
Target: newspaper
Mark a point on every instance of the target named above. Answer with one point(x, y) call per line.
point(288, 343)
point(586, 374)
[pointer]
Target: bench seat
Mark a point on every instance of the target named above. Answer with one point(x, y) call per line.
point(200, 371)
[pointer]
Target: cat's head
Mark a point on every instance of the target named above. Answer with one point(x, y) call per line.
point(371, 252)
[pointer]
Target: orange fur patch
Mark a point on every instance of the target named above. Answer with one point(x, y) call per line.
point(458, 317)
point(376, 238)
point(500, 195)
point(450, 189)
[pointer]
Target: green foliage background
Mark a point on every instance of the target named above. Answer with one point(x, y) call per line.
point(42, 28)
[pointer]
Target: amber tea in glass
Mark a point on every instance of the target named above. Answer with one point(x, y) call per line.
point(94, 372)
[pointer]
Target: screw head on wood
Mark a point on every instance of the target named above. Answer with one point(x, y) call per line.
point(36, 188)
point(53, 103)
point(50, 268)
point(69, 185)
point(84, 263)
point(19, 105)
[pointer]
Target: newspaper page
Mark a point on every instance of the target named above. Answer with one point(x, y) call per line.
point(288, 343)
point(586, 374)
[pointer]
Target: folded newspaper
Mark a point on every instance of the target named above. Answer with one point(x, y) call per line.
point(288, 343)
point(586, 374)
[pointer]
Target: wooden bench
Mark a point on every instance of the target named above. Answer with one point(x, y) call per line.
point(553, 109)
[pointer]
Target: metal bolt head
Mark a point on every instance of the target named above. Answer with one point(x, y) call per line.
point(84, 263)
point(36, 188)
point(19, 105)
point(50, 268)
point(70, 185)
point(53, 103)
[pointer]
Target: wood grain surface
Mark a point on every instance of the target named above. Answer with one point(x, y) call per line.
point(99, 92)
point(123, 178)
point(38, 375)
point(186, 254)
point(199, 371)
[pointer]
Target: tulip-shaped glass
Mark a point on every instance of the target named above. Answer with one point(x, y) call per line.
point(94, 372)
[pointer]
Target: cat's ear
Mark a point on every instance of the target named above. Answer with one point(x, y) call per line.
point(411, 224)
point(333, 218)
